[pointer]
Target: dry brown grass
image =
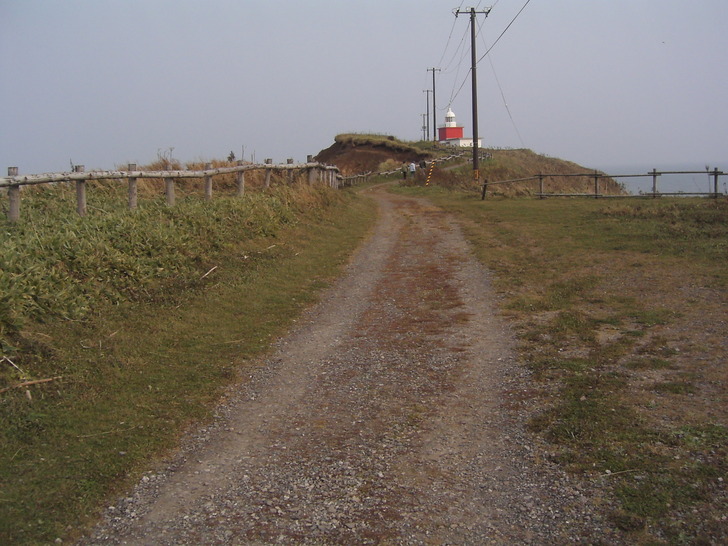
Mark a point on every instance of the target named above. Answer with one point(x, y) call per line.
point(621, 313)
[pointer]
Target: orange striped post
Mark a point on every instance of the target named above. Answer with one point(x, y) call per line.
point(429, 174)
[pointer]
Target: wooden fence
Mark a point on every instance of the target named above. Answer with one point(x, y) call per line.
point(597, 176)
point(317, 173)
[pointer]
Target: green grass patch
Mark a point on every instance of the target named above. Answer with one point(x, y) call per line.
point(649, 364)
point(146, 360)
point(674, 387)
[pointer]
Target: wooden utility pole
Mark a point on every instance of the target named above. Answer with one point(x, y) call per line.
point(434, 104)
point(474, 79)
point(427, 102)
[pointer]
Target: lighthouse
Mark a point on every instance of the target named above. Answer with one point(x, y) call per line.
point(452, 134)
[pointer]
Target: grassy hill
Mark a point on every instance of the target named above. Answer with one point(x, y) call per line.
point(356, 153)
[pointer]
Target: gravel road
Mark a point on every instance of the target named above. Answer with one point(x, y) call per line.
point(394, 413)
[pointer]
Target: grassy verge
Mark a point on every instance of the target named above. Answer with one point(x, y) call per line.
point(137, 368)
point(621, 314)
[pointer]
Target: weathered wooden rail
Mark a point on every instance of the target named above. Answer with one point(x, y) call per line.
point(596, 176)
point(317, 173)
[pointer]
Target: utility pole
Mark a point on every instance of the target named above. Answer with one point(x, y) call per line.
point(428, 91)
point(425, 129)
point(434, 104)
point(474, 63)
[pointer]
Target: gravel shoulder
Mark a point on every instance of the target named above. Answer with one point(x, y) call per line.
point(394, 413)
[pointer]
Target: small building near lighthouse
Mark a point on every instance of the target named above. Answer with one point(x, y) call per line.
point(451, 133)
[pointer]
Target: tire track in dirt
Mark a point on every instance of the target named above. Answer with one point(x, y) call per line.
point(393, 414)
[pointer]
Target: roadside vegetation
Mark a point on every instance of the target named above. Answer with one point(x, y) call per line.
point(387, 142)
point(135, 322)
point(620, 309)
point(122, 329)
point(497, 165)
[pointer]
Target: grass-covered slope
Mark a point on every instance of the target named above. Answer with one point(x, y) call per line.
point(357, 153)
point(136, 321)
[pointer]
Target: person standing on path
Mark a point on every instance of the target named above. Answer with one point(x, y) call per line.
point(412, 169)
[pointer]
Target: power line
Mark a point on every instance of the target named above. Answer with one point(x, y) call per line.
point(463, 55)
point(452, 29)
point(500, 88)
point(505, 103)
point(505, 30)
point(454, 96)
point(460, 50)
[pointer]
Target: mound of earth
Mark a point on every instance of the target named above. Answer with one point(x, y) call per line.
point(353, 156)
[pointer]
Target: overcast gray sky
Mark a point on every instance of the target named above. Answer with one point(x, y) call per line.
point(598, 82)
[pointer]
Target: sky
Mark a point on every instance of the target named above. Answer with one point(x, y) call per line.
point(599, 82)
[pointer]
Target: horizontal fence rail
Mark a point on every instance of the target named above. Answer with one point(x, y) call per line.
point(595, 177)
point(317, 173)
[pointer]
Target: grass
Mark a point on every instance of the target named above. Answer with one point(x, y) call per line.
point(384, 141)
point(617, 307)
point(147, 357)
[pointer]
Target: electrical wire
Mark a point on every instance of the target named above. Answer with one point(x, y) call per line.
point(444, 51)
point(454, 95)
point(504, 30)
point(452, 29)
point(505, 103)
point(500, 87)
point(461, 50)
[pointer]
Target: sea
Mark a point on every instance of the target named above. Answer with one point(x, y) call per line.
point(699, 182)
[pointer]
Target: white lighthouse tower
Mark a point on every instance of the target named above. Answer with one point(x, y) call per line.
point(452, 134)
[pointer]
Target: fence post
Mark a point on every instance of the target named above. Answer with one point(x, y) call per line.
point(291, 173)
point(267, 173)
point(654, 183)
point(540, 187)
point(715, 183)
point(132, 187)
point(80, 192)
point(208, 183)
point(169, 191)
point(240, 179)
point(13, 198)
point(596, 185)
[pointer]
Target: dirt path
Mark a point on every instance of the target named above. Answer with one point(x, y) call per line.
point(393, 414)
